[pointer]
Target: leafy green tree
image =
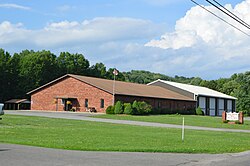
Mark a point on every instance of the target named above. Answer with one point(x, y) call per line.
point(6, 76)
point(98, 70)
point(72, 64)
point(36, 69)
point(110, 75)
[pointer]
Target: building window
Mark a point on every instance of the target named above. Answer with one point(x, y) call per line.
point(102, 103)
point(86, 103)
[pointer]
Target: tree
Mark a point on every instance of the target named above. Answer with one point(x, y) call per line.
point(36, 69)
point(6, 76)
point(72, 64)
point(98, 70)
point(110, 75)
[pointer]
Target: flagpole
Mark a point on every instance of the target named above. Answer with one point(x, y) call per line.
point(114, 88)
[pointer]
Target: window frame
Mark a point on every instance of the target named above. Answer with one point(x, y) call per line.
point(102, 103)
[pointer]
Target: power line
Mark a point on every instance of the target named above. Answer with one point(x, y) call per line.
point(230, 14)
point(220, 18)
point(235, 16)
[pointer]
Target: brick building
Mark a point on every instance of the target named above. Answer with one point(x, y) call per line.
point(81, 93)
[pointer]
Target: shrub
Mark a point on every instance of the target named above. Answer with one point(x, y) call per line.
point(225, 121)
point(118, 107)
point(199, 111)
point(144, 108)
point(237, 122)
point(110, 110)
point(128, 109)
point(135, 108)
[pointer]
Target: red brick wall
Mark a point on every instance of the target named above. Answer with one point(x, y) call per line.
point(164, 103)
point(44, 99)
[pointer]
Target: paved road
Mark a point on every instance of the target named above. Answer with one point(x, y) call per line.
point(85, 116)
point(21, 155)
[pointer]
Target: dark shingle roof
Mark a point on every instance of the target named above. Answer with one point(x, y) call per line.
point(124, 88)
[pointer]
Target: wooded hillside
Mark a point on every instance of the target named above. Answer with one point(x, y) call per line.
point(27, 70)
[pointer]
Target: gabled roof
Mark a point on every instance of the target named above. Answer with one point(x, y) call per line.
point(17, 101)
point(197, 90)
point(123, 88)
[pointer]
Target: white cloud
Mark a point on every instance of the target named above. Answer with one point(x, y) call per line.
point(65, 8)
point(200, 26)
point(60, 34)
point(201, 45)
point(15, 6)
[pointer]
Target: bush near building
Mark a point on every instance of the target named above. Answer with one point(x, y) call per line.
point(110, 110)
point(128, 109)
point(199, 111)
point(118, 108)
point(143, 108)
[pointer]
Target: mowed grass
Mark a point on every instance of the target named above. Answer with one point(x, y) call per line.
point(95, 136)
point(191, 120)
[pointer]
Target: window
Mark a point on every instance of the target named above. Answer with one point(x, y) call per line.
point(102, 103)
point(86, 103)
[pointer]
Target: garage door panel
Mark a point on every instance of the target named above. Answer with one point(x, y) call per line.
point(202, 102)
point(212, 106)
point(229, 105)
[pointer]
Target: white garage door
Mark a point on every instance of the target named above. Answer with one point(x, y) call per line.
point(212, 106)
point(221, 106)
point(229, 106)
point(202, 104)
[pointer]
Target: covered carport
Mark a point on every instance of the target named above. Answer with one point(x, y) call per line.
point(17, 104)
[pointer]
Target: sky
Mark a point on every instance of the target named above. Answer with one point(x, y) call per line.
point(172, 37)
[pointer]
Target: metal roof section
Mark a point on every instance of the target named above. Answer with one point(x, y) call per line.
point(196, 90)
point(17, 101)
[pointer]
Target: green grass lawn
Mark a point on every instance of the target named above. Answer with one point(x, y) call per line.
point(191, 120)
point(95, 136)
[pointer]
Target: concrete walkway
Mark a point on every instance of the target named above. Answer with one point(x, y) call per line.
point(86, 117)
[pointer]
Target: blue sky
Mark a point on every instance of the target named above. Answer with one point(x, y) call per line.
point(172, 37)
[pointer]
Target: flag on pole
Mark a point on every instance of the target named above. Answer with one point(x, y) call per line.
point(115, 72)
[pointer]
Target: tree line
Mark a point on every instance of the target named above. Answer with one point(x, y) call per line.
point(27, 70)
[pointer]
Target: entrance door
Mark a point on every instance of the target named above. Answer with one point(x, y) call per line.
point(67, 104)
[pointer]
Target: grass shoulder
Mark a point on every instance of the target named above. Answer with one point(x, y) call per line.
point(191, 120)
